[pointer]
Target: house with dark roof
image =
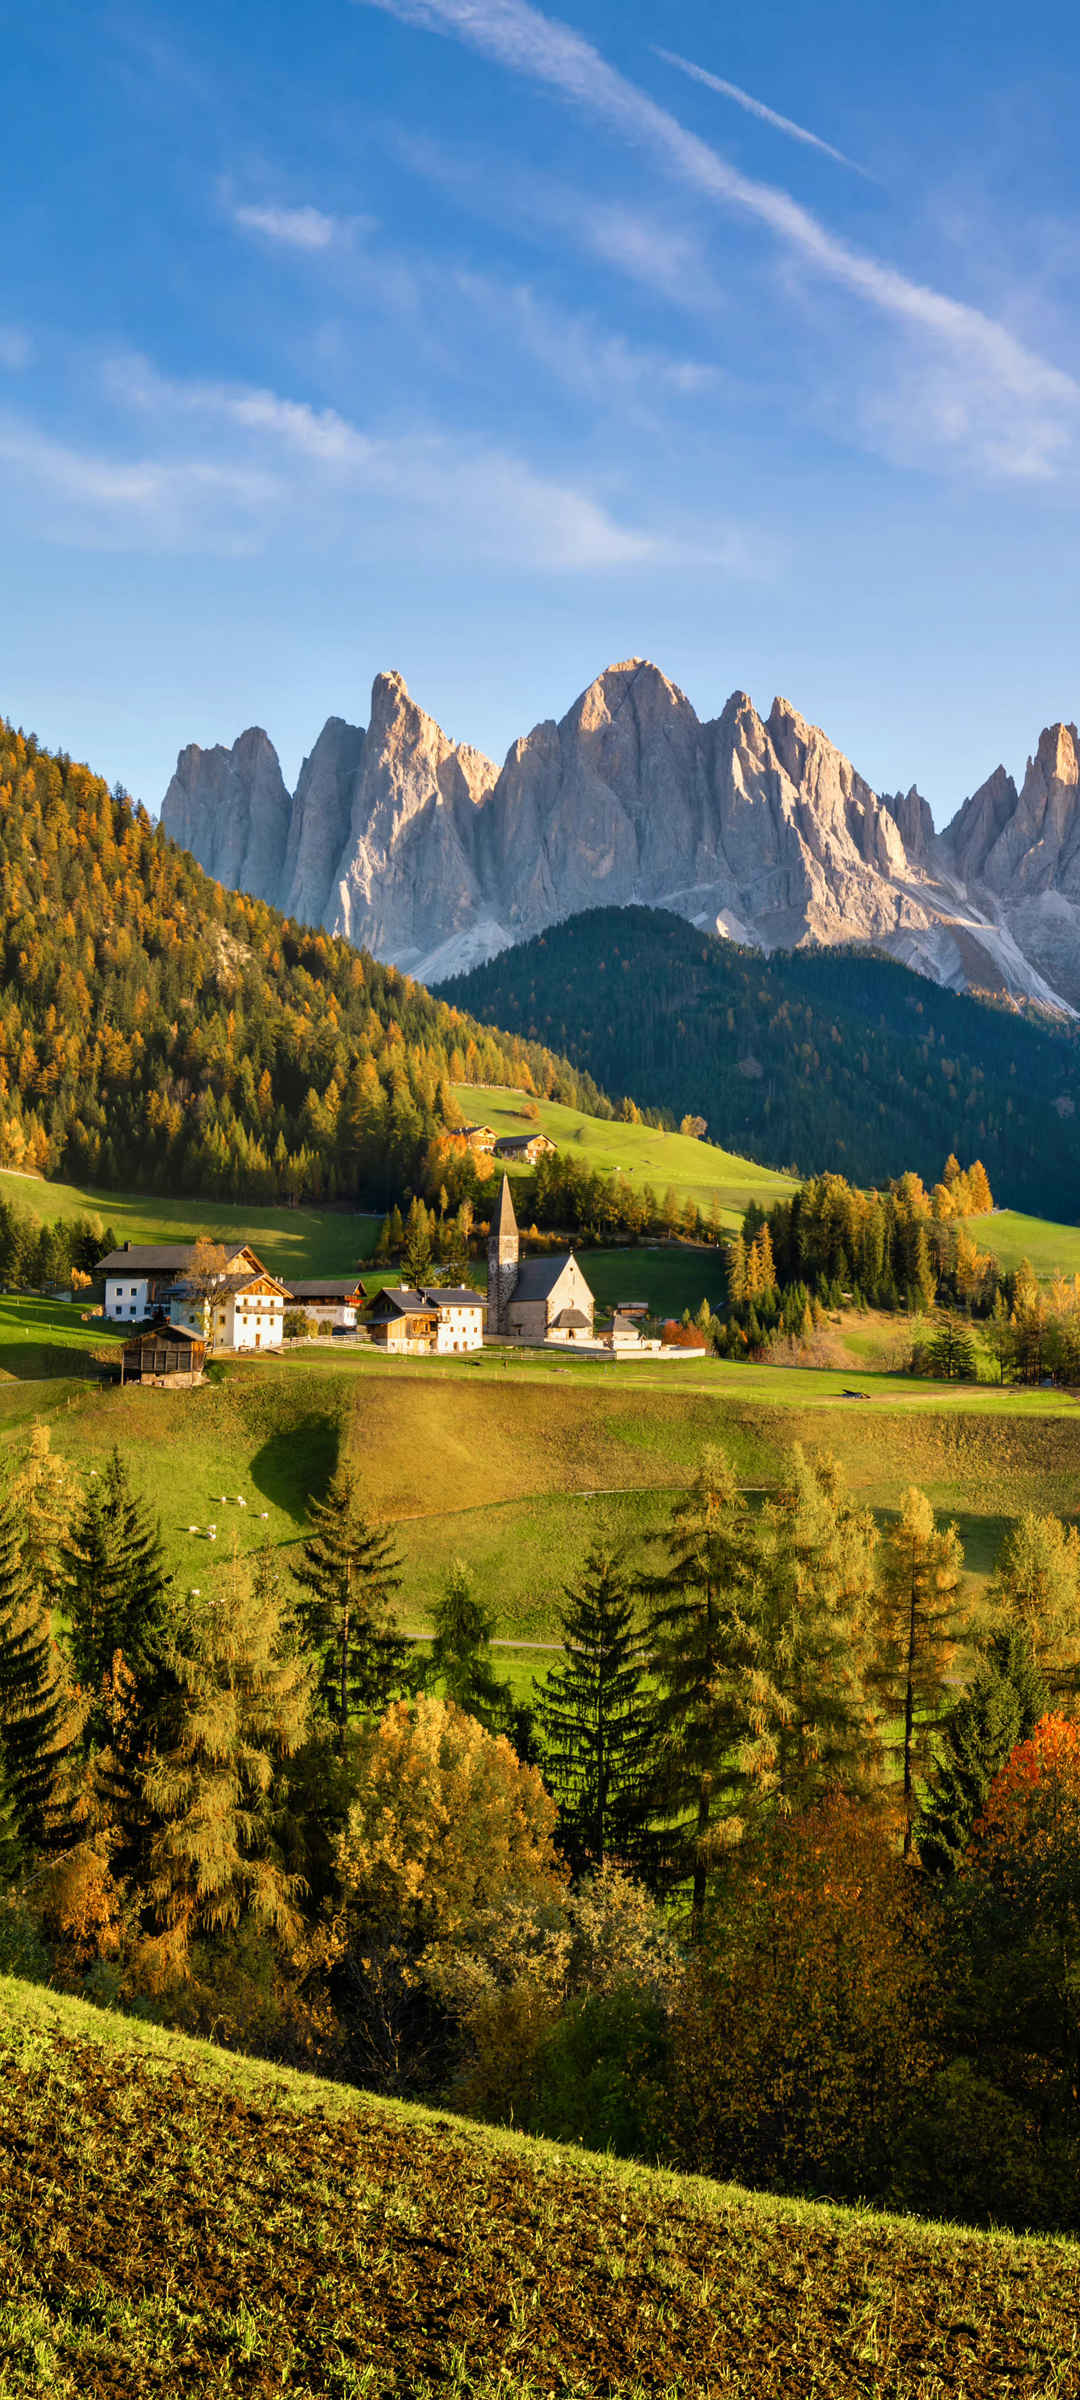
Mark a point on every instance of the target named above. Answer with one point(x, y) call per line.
point(331, 1299)
point(525, 1148)
point(533, 1299)
point(435, 1321)
point(141, 1276)
point(165, 1354)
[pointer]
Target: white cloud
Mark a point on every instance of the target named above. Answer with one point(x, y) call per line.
point(16, 348)
point(186, 503)
point(600, 366)
point(473, 501)
point(296, 228)
point(756, 108)
point(1021, 407)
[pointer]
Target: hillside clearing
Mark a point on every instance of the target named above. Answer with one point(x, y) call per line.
point(297, 1241)
point(174, 2221)
point(695, 1170)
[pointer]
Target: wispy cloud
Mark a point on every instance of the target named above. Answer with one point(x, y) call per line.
point(756, 108)
point(297, 228)
point(106, 501)
point(16, 348)
point(476, 502)
point(577, 351)
point(1032, 404)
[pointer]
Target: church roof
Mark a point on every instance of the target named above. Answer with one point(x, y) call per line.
point(570, 1320)
point(537, 1278)
point(505, 1222)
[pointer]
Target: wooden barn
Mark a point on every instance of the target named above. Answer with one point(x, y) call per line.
point(163, 1354)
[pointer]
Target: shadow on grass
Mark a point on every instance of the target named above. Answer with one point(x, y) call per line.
point(295, 1465)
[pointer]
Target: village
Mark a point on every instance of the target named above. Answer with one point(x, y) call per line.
point(187, 1301)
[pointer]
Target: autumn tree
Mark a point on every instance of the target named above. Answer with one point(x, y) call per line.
point(1036, 1584)
point(921, 1565)
point(349, 1572)
point(702, 1642)
point(805, 2023)
point(241, 1709)
point(810, 1719)
point(594, 1721)
point(43, 1495)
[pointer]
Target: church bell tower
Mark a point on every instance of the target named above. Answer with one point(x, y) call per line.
point(504, 1252)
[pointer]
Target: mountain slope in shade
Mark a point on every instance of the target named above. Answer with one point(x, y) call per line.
point(420, 850)
point(809, 1059)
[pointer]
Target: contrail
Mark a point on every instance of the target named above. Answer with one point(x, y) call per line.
point(757, 108)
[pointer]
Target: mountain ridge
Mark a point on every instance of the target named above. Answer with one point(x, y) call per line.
point(423, 851)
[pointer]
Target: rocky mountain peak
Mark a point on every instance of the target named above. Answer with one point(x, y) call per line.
point(419, 848)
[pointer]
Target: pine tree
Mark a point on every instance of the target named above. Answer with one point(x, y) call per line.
point(921, 1569)
point(37, 1727)
point(813, 1723)
point(703, 1645)
point(242, 1708)
point(349, 1571)
point(594, 1722)
point(116, 1588)
point(460, 1659)
point(1002, 1708)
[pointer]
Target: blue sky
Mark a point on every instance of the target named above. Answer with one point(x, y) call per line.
point(494, 345)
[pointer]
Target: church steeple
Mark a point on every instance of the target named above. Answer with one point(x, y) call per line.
point(504, 1254)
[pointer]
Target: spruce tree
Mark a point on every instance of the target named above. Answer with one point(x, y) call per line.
point(116, 1588)
point(920, 1577)
point(1002, 1708)
point(703, 1644)
point(211, 1792)
point(37, 1731)
point(349, 1571)
point(594, 1722)
point(460, 1660)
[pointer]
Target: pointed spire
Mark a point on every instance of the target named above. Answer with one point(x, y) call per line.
point(505, 1222)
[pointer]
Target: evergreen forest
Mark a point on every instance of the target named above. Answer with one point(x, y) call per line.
point(811, 1060)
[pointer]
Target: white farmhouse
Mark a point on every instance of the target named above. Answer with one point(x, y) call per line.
point(418, 1323)
point(243, 1309)
point(141, 1276)
point(239, 1312)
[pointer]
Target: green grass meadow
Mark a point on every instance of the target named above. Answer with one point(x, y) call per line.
point(179, 2221)
point(1050, 1249)
point(695, 1170)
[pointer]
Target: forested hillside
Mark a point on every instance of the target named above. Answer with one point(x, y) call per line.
point(158, 1031)
point(811, 1059)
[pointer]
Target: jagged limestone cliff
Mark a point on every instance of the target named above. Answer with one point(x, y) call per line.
point(421, 850)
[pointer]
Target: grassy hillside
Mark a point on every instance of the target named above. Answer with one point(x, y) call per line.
point(695, 1170)
point(297, 1241)
point(515, 1464)
point(176, 2222)
point(817, 1058)
point(1050, 1249)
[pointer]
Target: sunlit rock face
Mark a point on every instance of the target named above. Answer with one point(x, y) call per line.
point(419, 849)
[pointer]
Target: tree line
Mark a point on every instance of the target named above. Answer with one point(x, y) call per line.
point(777, 1875)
